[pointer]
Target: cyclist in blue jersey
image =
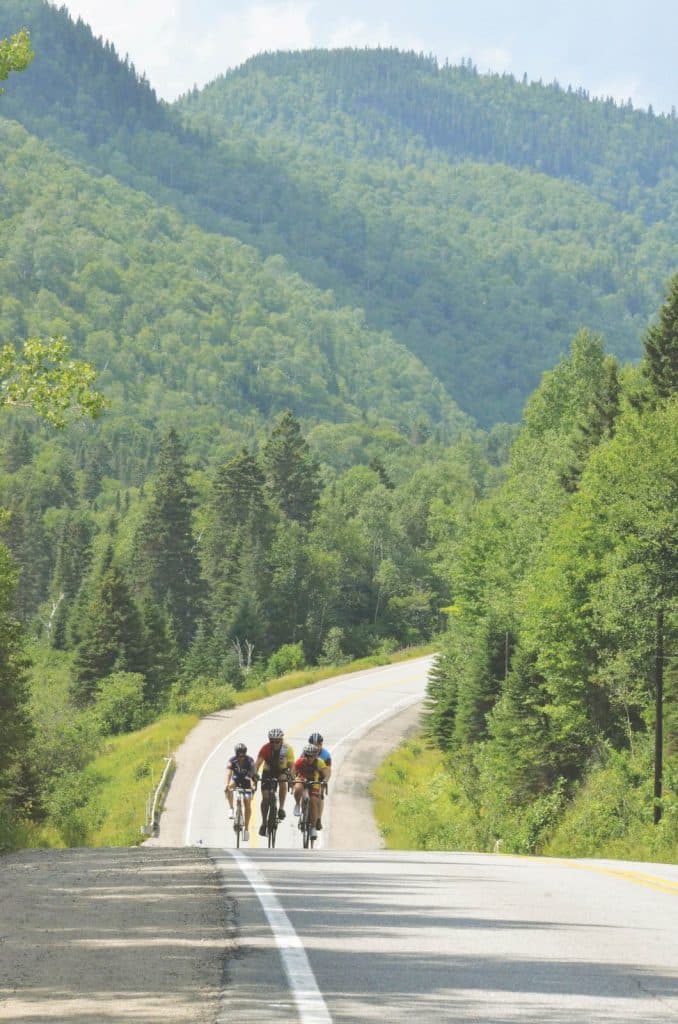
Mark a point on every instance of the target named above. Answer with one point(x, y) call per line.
point(323, 753)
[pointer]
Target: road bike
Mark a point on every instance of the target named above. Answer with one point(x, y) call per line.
point(271, 822)
point(239, 815)
point(306, 822)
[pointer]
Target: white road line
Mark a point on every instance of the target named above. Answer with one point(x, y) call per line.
point(307, 996)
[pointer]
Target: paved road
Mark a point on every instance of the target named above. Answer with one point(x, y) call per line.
point(445, 937)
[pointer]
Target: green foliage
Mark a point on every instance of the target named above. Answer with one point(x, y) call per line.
point(15, 54)
point(575, 569)
point(166, 560)
point(293, 477)
point(43, 378)
point(288, 658)
point(661, 347)
point(478, 219)
point(200, 696)
point(119, 703)
point(613, 812)
point(112, 636)
point(15, 724)
point(418, 806)
point(332, 653)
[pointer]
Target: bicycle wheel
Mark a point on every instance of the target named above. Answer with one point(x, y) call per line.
point(304, 821)
point(238, 824)
point(272, 824)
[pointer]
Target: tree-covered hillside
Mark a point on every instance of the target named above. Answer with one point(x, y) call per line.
point(480, 220)
point(185, 326)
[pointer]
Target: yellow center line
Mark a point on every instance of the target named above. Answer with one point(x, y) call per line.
point(637, 877)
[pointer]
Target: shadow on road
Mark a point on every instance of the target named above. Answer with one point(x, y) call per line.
point(102, 935)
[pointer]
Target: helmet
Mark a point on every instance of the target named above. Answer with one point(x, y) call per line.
point(316, 739)
point(240, 748)
point(309, 750)
point(275, 734)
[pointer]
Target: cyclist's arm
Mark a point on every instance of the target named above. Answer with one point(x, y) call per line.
point(229, 776)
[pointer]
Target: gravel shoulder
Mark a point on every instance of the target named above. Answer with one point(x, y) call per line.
point(146, 934)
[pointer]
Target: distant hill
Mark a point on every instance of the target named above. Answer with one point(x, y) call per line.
point(479, 220)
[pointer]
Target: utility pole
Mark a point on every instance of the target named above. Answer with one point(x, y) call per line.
point(658, 716)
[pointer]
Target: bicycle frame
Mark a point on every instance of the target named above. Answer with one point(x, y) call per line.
point(306, 824)
point(272, 809)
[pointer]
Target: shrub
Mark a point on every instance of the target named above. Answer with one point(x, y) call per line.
point(119, 703)
point(201, 696)
point(288, 658)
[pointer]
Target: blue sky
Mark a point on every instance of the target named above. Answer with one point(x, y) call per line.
point(619, 48)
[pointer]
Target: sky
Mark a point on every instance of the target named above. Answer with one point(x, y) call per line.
point(625, 49)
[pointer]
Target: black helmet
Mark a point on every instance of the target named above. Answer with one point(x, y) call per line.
point(240, 748)
point(316, 738)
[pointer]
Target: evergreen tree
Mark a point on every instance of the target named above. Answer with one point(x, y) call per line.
point(236, 543)
point(161, 655)
point(661, 347)
point(15, 721)
point(167, 560)
point(293, 476)
point(112, 634)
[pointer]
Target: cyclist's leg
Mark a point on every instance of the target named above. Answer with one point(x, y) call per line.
point(265, 786)
point(298, 792)
point(314, 804)
point(248, 808)
point(282, 794)
point(229, 801)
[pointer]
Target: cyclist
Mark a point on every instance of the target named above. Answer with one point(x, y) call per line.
point(240, 775)
point(316, 739)
point(308, 768)
point(277, 759)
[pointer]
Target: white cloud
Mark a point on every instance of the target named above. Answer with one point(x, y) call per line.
point(358, 33)
point(621, 90)
point(237, 35)
point(496, 59)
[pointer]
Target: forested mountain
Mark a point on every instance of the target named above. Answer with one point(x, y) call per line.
point(185, 326)
point(482, 221)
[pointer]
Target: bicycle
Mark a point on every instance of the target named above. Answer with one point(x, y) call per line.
point(239, 816)
point(306, 823)
point(271, 822)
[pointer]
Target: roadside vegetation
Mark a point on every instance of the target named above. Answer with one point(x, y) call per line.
point(422, 803)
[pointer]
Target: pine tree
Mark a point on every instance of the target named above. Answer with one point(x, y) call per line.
point(292, 475)
point(661, 347)
point(15, 721)
point(112, 634)
point(167, 561)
